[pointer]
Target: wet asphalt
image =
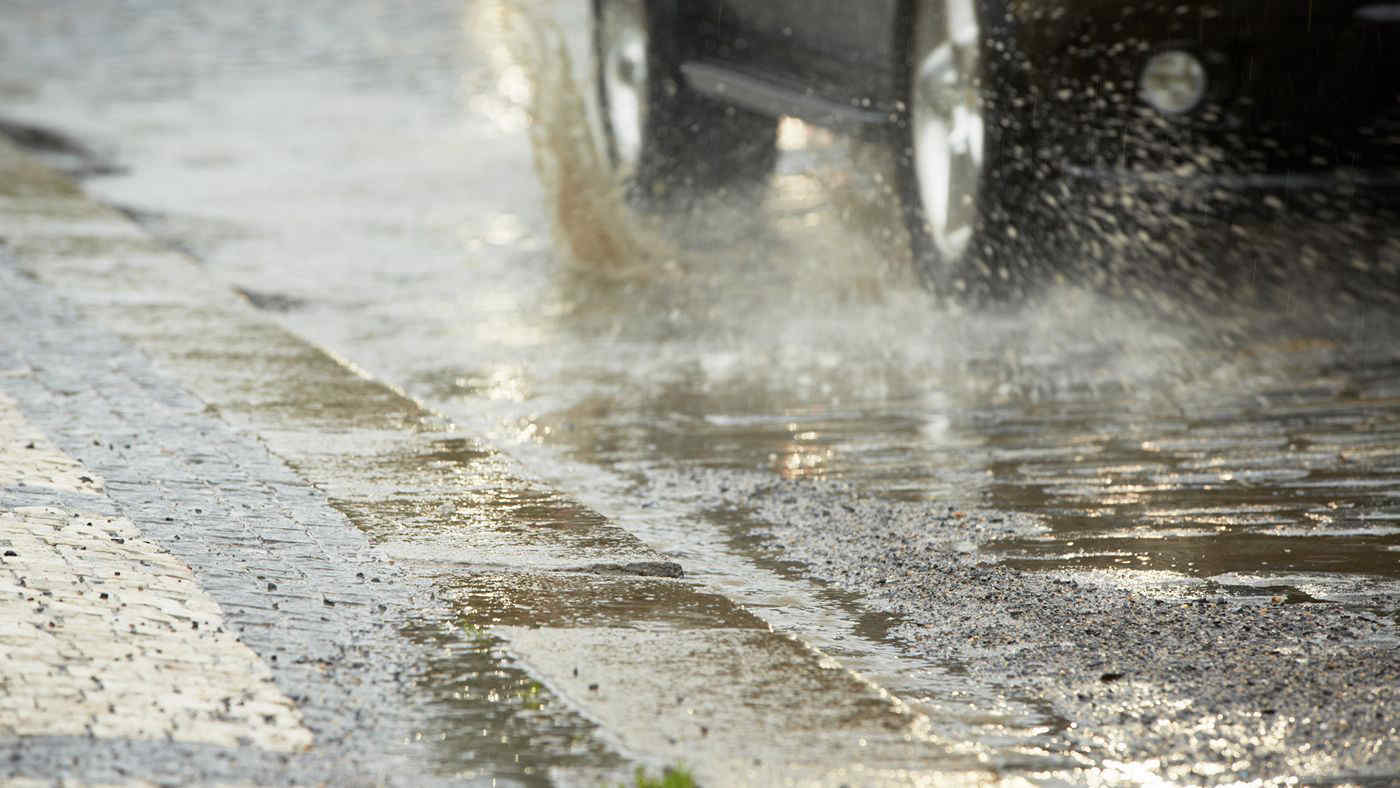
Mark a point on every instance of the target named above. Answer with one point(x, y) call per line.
point(1149, 528)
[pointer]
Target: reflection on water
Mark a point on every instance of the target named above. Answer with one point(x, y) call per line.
point(1296, 475)
point(1292, 470)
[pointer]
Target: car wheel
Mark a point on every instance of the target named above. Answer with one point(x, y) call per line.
point(957, 178)
point(664, 140)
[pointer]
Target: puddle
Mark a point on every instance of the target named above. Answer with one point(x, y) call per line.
point(1296, 473)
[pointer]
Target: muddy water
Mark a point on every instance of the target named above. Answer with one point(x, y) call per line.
point(373, 178)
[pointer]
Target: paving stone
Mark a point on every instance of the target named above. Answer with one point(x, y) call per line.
point(62, 671)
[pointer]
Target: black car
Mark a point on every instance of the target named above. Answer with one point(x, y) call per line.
point(989, 103)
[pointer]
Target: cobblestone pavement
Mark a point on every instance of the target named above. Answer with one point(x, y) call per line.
point(379, 598)
point(107, 635)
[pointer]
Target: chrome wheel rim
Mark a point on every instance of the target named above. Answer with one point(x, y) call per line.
point(624, 79)
point(947, 123)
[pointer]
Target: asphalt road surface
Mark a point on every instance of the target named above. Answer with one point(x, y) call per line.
point(1145, 527)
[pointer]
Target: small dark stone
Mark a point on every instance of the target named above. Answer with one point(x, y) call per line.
point(271, 586)
point(29, 445)
point(11, 554)
point(1110, 677)
point(593, 687)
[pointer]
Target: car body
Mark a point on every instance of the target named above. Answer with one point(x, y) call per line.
point(1294, 86)
point(986, 103)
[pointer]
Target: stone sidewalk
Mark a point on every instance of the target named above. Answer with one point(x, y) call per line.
point(107, 635)
point(322, 581)
point(180, 521)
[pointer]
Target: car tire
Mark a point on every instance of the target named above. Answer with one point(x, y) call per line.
point(962, 166)
point(665, 141)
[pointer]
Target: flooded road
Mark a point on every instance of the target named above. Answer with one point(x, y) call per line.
point(420, 192)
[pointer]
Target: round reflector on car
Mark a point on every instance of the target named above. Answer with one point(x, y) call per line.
point(1173, 82)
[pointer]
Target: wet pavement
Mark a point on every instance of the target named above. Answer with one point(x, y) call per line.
point(407, 673)
point(1108, 536)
